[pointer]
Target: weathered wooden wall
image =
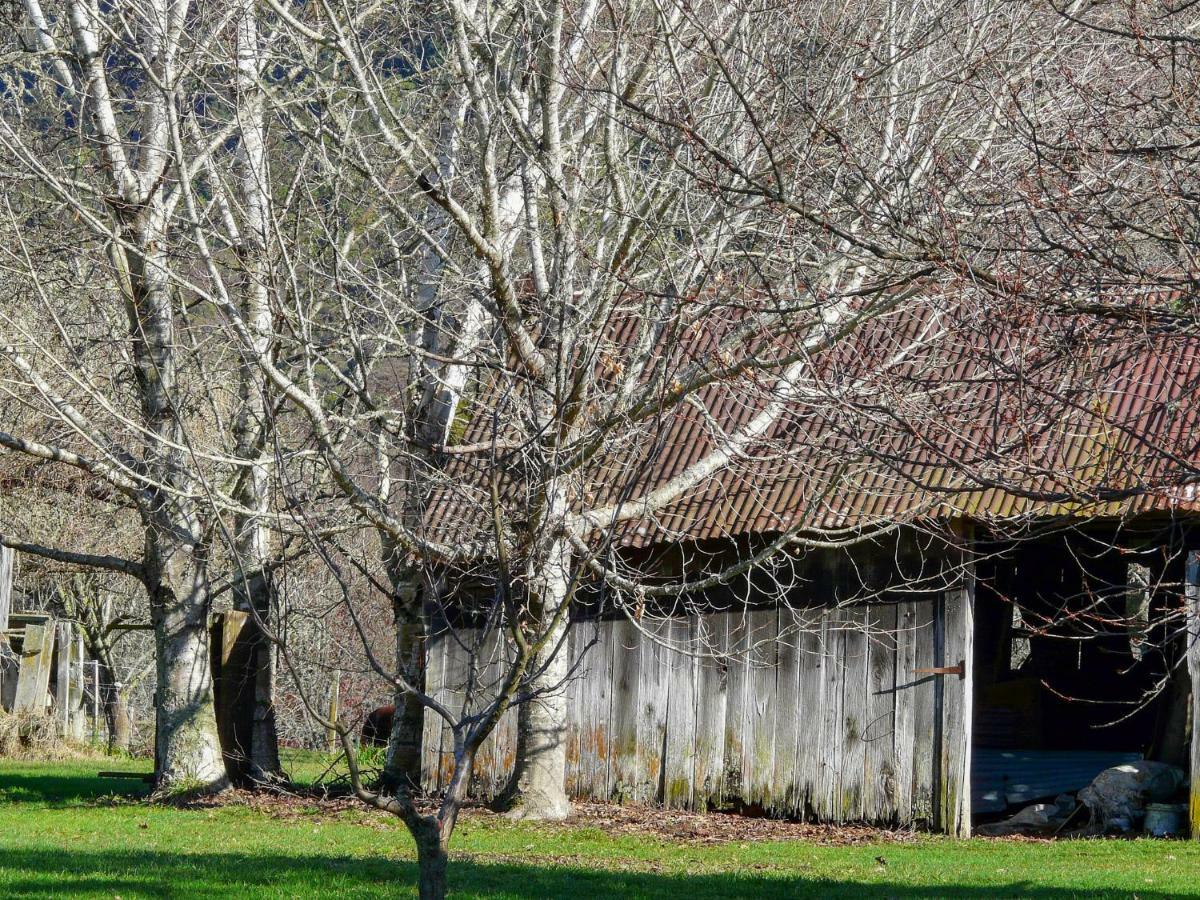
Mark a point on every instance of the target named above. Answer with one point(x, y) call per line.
point(824, 716)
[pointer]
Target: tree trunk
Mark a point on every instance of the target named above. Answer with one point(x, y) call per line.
point(188, 751)
point(253, 424)
point(116, 715)
point(538, 786)
point(257, 740)
point(264, 739)
point(116, 710)
point(432, 861)
point(402, 766)
point(538, 790)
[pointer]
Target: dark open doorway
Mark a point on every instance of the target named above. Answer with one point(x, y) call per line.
point(1074, 668)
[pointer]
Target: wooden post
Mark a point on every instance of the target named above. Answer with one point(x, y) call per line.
point(33, 680)
point(331, 737)
point(96, 702)
point(1192, 595)
point(953, 807)
point(77, 691)
point(62, 686)
point(7, 562)
point(6, 570)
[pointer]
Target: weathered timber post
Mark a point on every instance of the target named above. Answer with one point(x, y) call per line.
point(33, 679)
point(331, 735)
point(7, 563)
point(96, 704)
point(956, 687)
point(1192, 595)
point(62, 685)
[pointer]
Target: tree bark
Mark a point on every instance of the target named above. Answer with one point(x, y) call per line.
point(188, 752)
point(253, 425)
point(432, 861)
point(116, 715)
point(262, 765)
point(538, 786)
point(116, 710)
point(402, 765)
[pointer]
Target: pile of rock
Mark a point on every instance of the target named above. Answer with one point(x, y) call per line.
point(1115, 801)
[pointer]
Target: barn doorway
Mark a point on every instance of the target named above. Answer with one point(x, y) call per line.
point(1076, 632)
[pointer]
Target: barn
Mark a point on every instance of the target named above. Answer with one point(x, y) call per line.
point(972, 640)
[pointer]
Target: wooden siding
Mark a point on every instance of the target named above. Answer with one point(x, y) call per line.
point(819, 715)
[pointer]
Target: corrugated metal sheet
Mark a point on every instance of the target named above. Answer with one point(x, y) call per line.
point(930, 411)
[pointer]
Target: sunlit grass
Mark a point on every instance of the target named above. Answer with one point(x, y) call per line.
point(64, 832)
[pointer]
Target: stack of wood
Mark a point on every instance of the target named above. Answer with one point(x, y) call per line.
point(42, 666)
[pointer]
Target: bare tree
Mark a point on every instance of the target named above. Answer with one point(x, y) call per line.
point(555, 234)
point(127, 108)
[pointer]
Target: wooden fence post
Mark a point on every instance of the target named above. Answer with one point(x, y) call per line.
point(62, 686)
point(335, 689)
point(33, 680)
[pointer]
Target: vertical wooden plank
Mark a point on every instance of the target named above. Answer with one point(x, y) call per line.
point(833, 737)
point(811, 753)
point(904, 700)
point(7, 564)
point(758, 728)
point(33, 678)
point(954, 793)
point(855, 714)
point(786, 798)
point(679, 763)
point(572, 689)
point(737, 653)
point(653, 700)
point(589, 675)
point(458, 652)
point(1192, 636)
point(79, 716)
point(431, 733)
point(879, 784)
point(924, 726)
point(62, 682)
point(712, 687)
point(600, 712)
point(505, 752)
point(626, 682)
point(490, 775)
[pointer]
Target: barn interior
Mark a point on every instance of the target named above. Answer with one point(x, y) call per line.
point(1077, 640)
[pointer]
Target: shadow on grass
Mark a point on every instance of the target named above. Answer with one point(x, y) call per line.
point(55, 873)
point(67, 789)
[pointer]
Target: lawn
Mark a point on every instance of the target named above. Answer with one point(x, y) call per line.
point(65, 832)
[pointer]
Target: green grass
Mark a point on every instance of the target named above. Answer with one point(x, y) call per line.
point(65, 832)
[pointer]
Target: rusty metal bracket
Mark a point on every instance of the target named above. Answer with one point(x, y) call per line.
point(960, 670)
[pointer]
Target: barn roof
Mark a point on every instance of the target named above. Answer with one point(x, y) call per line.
point(937, 409)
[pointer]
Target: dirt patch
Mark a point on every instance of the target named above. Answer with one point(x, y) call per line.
point(724, 828)
point(672, 825)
